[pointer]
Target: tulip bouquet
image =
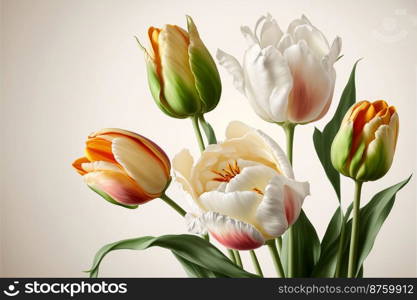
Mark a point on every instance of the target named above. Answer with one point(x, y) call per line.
point(243, 191)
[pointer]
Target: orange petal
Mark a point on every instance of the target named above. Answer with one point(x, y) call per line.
point(99, 149)
point(77, 164)
point(144, 142)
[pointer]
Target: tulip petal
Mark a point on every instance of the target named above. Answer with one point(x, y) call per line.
point(232, 233)
point(312, 84)
point(380, 152)
point(233, 67)
point(249, 36)
point(206, 75)
point(238, 205)
point(270, 31)
point(281, 204)
point(140, 164)
point(259, 144)
point(77, 164)
point(267, 74)
point(111, 133)
point(155, 85)
point(118, 186)
point(178, 80)
point(251, 178)
point(315, 40)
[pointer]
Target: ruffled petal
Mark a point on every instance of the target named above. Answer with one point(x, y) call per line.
point(281, 204)
point(232, 233)
point(232, 66)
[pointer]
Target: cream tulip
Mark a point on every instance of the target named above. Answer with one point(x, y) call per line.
point(244, 189)
point(287, 77)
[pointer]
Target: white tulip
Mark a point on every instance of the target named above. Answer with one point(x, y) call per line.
point(244, 189)
point(287, 77)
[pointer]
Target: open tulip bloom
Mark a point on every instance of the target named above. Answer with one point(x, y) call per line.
point(242, 191)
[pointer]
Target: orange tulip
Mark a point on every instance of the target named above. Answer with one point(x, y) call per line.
point(123, 167)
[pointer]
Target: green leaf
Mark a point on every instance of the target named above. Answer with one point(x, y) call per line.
point(110, 199)
point(195, 271)
point(306, 247)
point(198, 256)
point(323, 140)
point(208, 130)
point(372, 216)
point(326, 266)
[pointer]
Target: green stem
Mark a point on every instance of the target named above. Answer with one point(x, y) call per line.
point(231, 255)
point(238, 258)
point(353, 251)
point(341, 244)
point(275, 257)
point(173, 204)
point(198, 133)
point(256, 264)
point(289, 129)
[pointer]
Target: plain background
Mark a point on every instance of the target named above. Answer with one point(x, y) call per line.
point(71, 67)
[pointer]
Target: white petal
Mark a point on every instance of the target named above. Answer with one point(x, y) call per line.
point(251, 178)
point(311, 86)
point(335, 50)
point(237, 129)
point(249, 36)
point(139, 164)
point(237, 205)
point(281, 204)
point(285, 42)
point(233, 67)
point(265, 70)
point(270, 32)
point(232, 233)
point(271, 212)
point(194, 224)
point(315, 40)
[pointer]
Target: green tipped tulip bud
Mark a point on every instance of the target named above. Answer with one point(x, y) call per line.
point(183, 77)
point(364, 146)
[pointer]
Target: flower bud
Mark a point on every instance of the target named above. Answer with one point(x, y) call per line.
point(182, 75)
point(364, 146)
point(123, 167)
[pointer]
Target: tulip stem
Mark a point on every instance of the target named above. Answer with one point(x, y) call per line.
point(238, 258)
point(256, 264)
point(275, 257)
point(173, 204)
point(353, 250)
point(289, 129)
point(197, 132)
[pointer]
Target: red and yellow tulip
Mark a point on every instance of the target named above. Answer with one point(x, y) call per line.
point(364, 146)
point(123, 167)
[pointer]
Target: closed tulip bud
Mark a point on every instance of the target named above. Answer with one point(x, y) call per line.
point(123, 167)
point(183, 77)
point(364, 146)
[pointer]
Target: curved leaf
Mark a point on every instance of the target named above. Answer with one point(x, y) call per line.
point(323, 140)
point(208, 130)
point(198, 256)
point(306, 247)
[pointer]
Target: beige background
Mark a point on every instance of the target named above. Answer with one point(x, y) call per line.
point(71, 67)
